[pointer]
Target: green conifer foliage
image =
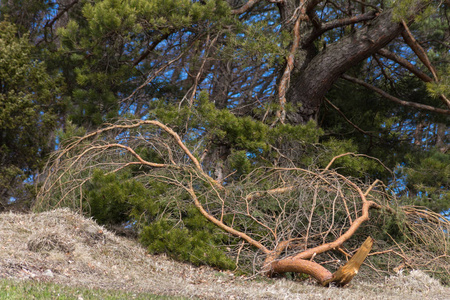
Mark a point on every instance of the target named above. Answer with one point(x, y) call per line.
point(196, 240)
point(429, 180)
point(29, 106)
point(104, 46)
point(242, 83)
point(162, 225)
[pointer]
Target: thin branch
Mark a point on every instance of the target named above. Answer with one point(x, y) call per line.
point(200, 72)
point(344, 237)
point(60, 14)
point(162, 68)
point(150, 48)
point(418, 50)
point(395, 99)
point(366, 193)
point(269, 192)
point(406, 64)
point(221, 225)
point(338, 23)
point(354, 155)
point(57, 17)
point(422, 55)
point(284, 82)
point(346, 119)
point(382, 69)
point(257, 221)
point(313, 207)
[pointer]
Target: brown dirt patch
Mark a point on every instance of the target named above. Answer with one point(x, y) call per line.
point(63, 247)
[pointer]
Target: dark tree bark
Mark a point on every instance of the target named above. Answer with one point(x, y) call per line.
point(309, 86)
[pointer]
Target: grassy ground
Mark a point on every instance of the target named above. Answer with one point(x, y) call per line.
point(20, 290)
point(61, 255)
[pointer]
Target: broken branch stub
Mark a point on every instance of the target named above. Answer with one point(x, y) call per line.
point(346, 273)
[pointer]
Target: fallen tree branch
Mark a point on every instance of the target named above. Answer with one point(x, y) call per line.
point(284, 230)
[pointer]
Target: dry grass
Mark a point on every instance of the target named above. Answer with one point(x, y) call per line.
point(62, 247)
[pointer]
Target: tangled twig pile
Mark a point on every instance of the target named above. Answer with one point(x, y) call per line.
point(283, 218)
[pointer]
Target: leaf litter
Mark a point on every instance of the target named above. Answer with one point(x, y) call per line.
point(63, 247)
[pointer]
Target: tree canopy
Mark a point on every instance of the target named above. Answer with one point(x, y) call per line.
point(247, 85)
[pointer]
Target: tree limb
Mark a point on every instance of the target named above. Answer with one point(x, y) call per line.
point(221, 225)
point(285, 78)
point(324, 69)
point(338, 23)
point(150, 48)
point(406, 64)
point(422, 55)
point(346, 273)
point(60, 14)
point(418, 50)
point(346, 119)
point(395, 99)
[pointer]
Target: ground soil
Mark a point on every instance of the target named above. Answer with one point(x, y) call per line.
point(63, 247)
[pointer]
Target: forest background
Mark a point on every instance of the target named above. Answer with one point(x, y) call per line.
point(303, 100)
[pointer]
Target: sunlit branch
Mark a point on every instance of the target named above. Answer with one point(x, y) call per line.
point(221, 225)
point(418, 50)
point(284, 82)
point(422, 55)
point(355, 155)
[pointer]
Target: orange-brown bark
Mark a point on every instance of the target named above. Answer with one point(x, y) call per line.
point(341, 277)
point(291, 264)
point(346, 273)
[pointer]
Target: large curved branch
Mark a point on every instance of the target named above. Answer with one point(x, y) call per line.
point(341, 277)
point(313, 83)
point(139, 123)
point(346, 273)
point(343, 238)
point(301, 266)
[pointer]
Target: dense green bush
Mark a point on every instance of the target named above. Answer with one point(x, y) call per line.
point(197, 240)
point(118, 199)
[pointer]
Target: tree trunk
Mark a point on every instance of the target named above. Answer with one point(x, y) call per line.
point(309, 86)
